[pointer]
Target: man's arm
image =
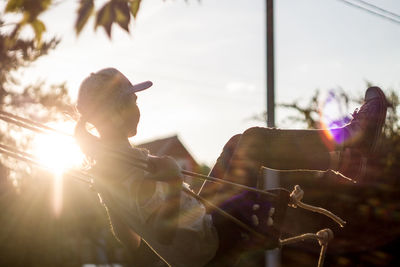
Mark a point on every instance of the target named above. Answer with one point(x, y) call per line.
point(165, 219)
point(128, 238)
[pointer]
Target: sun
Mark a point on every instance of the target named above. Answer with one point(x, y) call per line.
point(58, 153)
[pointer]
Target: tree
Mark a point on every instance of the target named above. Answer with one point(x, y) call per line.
point(371, 207)
point(112, 12)
point(29, 233)
point(36, 237)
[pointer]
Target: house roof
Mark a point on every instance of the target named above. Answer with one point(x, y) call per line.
point(170, 146)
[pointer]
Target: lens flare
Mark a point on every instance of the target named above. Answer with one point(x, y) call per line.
point(332, 116)
point(57, 194)
point(58, 153)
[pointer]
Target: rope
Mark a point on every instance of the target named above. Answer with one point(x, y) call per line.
point(23, 122)
point(296, 197)
point(36, 124)
point(323, 237)
point(75, 174)
point(84, 177)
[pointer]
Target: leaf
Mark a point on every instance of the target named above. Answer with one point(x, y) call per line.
point(105, 17)
point(123, 16)
point(39, 27)
point(85, 10)
point(135, 5)
point(33, 7)
point(14, 5)
point(45, 4)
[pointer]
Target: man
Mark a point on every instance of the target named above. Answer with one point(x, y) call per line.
point(147, 201)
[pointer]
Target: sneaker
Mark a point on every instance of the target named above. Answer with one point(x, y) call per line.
point(363, 133)
point(365, 129)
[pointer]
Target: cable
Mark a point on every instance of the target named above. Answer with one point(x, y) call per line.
point(370, 11)
point(397, 16)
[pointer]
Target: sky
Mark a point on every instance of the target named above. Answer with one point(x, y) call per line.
point(207, 61)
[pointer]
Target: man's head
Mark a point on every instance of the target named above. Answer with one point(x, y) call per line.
point(108, 100)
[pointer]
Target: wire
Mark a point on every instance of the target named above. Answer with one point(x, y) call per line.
point(397, 16)
point(372, 11)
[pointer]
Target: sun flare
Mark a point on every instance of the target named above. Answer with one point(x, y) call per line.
point(58, 153)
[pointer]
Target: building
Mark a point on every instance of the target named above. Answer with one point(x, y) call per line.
point(172, 146)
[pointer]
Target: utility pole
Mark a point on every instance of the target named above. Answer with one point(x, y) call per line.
point(270, 64)
point(271, 178)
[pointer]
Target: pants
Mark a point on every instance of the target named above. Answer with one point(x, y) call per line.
point(244, 155)
point(241, 161)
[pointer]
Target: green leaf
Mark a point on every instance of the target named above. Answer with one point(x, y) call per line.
point(135, 5)
point(105, 18)
point(39, 27)
point(122, 15)
point(85, 10)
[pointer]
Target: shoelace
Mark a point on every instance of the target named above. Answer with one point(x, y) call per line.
point(366, 107)
point(355, 113)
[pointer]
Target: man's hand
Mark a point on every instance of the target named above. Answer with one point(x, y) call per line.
point(164, 169)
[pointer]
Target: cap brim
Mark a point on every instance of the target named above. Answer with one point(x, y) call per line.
point(141, 86)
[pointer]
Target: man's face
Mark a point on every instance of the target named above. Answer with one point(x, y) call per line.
point(131, 116)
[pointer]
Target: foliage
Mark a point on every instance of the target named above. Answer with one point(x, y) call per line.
point(16, 54)
point(30, 234)
point(371, 207)
point(112, 12)
point(390, 143)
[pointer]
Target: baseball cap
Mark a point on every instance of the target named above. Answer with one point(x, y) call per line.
point(107, 87)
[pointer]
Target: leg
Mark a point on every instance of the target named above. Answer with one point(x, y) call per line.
point(311, 149)
point(240, 162)
point(233, 243)
point(243, 155)
point(282, 150)
point(209, 190)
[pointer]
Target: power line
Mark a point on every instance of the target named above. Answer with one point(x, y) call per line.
point(372, 11)
point(397, 16)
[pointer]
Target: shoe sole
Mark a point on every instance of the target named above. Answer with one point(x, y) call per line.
point(381, 119)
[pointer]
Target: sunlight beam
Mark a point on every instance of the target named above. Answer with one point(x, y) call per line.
point(59, 154)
